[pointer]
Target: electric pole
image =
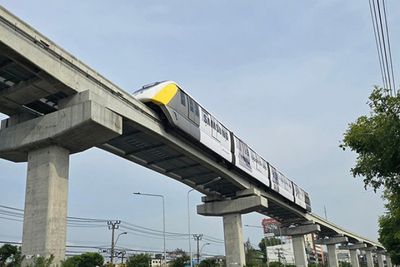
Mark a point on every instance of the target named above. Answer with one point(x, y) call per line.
point(198, 237)
point(112, 225)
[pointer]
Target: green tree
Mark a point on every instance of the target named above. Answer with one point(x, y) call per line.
point(376, 140)
point(208, 263)
point(89, 259)
point(42, 261)
point(253, 256)
point(389, 232)
point(7, 252)
point(139, 260)
point(181, 260)
point(273, 241)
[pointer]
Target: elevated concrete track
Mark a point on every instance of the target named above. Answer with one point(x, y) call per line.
point(40, 84)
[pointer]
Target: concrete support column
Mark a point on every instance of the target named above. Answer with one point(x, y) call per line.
point(299, 249)
point(380, 260)
point(354, 258)
point(353, 248)
point(332, 255)
point(45, 224)
point(233, 235)
point(370, 259)
point(388, 261)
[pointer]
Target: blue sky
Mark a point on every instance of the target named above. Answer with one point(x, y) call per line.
point(287, 76)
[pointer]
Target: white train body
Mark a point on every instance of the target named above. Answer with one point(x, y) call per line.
point(184, 113)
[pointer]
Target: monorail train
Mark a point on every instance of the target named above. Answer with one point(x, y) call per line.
point(184, 113)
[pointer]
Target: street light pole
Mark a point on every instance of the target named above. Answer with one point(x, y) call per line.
point(112, 225)
point(189, 233)
point(205, 244)
point(163, 206)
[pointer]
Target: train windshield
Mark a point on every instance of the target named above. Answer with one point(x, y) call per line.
point(144, 87)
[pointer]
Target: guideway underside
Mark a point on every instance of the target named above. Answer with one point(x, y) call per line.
point(58, 106)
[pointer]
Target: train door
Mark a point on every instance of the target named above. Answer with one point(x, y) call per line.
point(183, 108)
point(214, 127)
point(193, 111)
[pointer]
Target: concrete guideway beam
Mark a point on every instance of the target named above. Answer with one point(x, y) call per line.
point(75, 128)
point(297, 233)
point(231, 210)
point(331, 243)
point(45, 216)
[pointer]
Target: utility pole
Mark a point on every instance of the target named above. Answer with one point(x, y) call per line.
point(198, 237)
point(112, 225)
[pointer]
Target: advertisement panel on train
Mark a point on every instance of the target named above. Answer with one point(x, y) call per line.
point(250, 162)
point(299, 196)
point(281, 184)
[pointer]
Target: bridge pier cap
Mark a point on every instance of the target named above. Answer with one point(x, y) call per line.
point(46, 142)
point(331, 243)
point(297, 232)
point(231, 211)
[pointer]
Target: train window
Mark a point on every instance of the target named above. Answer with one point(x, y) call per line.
point(191, 105)
point(196, 109)
point(183, 98)
point(205, 118)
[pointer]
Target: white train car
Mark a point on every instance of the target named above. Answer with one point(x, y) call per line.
point(185, 114)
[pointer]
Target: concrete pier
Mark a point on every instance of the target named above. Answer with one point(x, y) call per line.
point(233, 236)
point(231, 210)
point(331, 243)
point(46, 198)
point(297, 232)
point(353, 249)
point(370, 259)
point(45, 143)
point(380, 260)
point(388, 261)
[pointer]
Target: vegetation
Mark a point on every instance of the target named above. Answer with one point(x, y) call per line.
point(10, 256)
point(273, 241)
point(209, 263)
point(389, 232)
point(88, 259)
point(42, 261)
point(139, 260)
point(376, 140)
point(181, 259)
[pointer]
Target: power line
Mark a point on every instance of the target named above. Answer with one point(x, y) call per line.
point(382, 40)
point(15, 214)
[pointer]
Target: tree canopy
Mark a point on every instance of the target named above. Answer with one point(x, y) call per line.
point(139, 260)
point(89, 259)
point(10, 255)
point(376, 140)
point(389, 232)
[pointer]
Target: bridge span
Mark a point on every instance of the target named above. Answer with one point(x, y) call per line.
point(57, 106)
